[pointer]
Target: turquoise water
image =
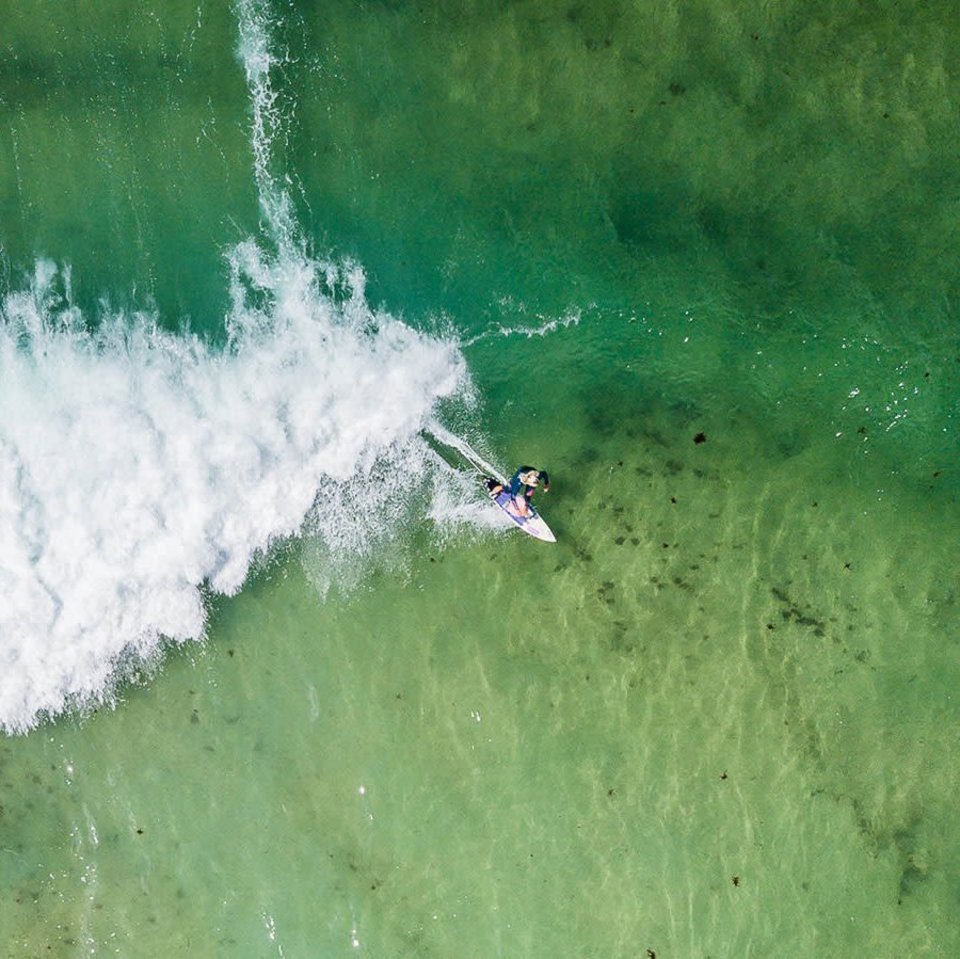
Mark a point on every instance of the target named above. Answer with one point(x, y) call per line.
point(250, 251)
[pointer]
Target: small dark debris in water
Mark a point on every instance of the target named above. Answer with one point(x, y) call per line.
point(229, 652)
point(666, 546)
point(139, 832)
point(651, 954)
point(814, 503)
point(611, 793)
point(735, 880)
point(937, 473)
point(771, 626)
point(886, 116)
point(700, 438)
point(846, 566)
point(723, 775)
point(673, 499)
point(619, 462)
point(592, 44)
point(432, 560)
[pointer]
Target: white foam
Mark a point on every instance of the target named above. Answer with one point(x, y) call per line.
point(137, 466)
point(139, 469)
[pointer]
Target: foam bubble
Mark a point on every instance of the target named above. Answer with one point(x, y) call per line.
point(137, 466)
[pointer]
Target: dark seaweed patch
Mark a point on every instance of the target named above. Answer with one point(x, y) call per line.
point(619, 638)
point(792, 612)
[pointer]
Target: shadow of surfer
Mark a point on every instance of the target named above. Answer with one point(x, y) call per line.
point(521, 487)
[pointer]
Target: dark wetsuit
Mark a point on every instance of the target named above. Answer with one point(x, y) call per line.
point(516, 485)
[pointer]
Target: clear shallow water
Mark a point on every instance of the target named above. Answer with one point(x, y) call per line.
point(482, 747)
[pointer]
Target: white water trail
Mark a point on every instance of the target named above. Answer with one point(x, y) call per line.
point(267, 123)
point(571, 318)
point(441, 433)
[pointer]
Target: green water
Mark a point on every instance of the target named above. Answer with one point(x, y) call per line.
point(719, 717)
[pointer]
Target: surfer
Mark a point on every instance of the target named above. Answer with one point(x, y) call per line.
point(522, 486)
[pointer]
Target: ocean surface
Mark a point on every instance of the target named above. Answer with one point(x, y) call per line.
point(276, 679)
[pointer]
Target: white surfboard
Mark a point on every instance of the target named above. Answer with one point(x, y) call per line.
point(532, 524)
